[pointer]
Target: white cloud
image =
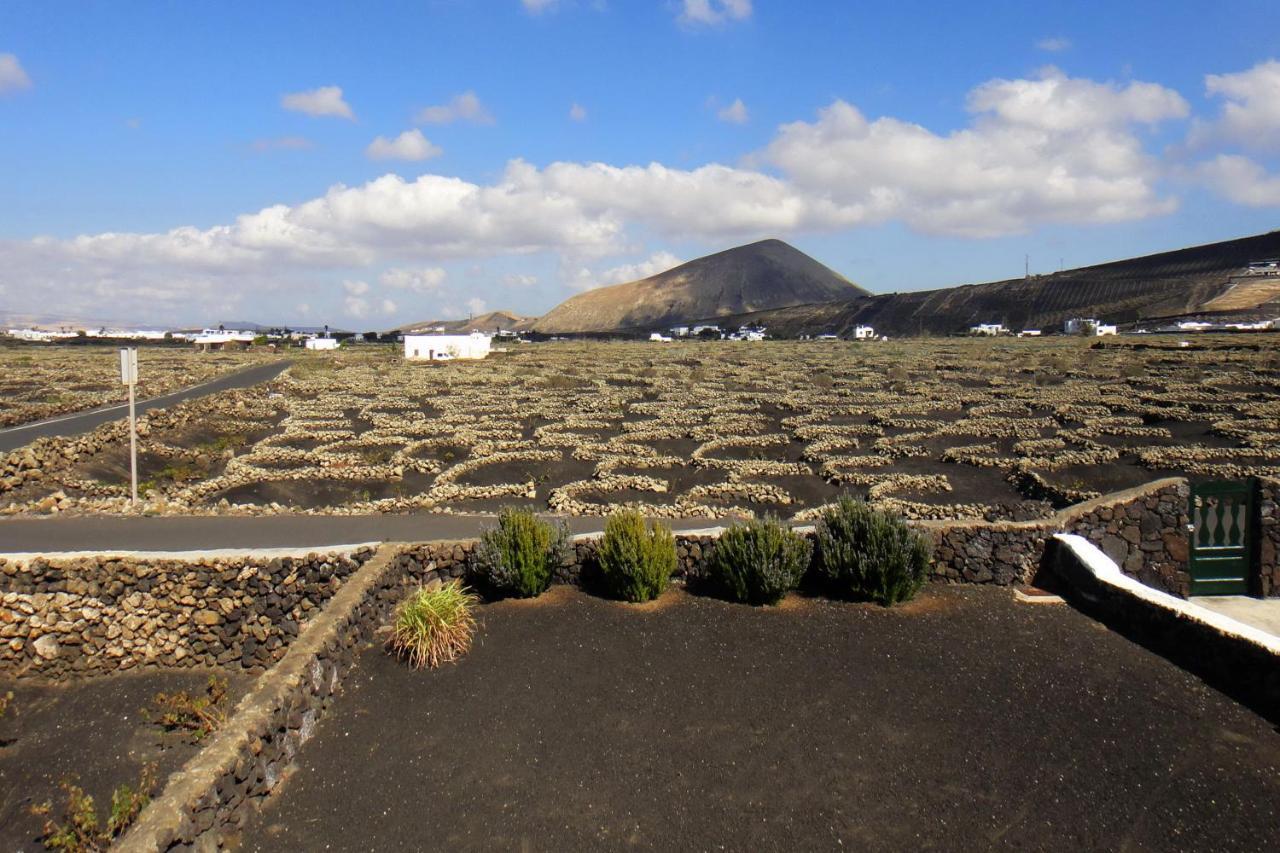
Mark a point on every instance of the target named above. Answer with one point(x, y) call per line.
point(356, 288)
point(1054, 44)
point(281, 143)
point(1241, 180)
point(325, 101)
point(1251, 115)
point(410, 145)
point(519, 280)
point(476, 305)
point(356, 306)
point(537, 7)
point(1053, 149)
point(12, 76)
point(582, 278)
point(389, 307)
point(577, 112)
point(735, 113)
point(464, 107)
point(714, 12)
point(425, 280)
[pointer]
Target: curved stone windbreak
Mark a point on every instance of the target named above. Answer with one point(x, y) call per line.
point(90, 615)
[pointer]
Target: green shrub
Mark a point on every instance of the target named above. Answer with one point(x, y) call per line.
point(636, 559)
point(433, 626)
point(520, 554)
point(869, 555)
point(759, 561)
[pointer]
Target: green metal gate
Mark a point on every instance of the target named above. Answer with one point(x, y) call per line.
point(1223, 536)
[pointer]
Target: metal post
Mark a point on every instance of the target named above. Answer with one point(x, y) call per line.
point(133, 447)
point(129, 376)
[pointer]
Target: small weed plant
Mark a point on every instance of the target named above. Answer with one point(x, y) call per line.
point(636, 558)
point(869, 555)
point(5, 701)
point(433, 626)
point(195, 716)
point(519, 555)
point(759, 561)
point(78, 830)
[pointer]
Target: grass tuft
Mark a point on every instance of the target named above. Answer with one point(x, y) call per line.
point(434, 626)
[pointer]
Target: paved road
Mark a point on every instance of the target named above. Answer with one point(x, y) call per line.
point(190, 533)
point(82, 422)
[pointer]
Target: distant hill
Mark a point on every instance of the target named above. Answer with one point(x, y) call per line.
point(763, 275)
point(490, 322)
point(1201, 280)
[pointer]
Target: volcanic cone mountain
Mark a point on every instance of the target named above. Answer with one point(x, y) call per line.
point(756, 277)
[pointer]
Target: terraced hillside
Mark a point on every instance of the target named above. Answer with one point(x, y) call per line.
point(1186, 281)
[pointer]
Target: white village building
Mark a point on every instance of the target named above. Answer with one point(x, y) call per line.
point(321, 343)
point(992, 329)
point(864, 333)
point(445, 347)
point(1089, 327)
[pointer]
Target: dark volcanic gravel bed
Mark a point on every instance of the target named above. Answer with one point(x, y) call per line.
point(962, 721)
point(91, 731)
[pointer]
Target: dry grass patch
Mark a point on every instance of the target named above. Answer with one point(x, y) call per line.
point(434, 625)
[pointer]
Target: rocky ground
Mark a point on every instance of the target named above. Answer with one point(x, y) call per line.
point(947, 428)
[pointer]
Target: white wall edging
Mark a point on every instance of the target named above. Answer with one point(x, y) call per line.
point(1107, 572)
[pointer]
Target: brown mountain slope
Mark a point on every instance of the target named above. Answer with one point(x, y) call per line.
point(767, 274)
point(1168, 284)
point(490, 322)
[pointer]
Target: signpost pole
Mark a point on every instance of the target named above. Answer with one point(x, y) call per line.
point(133, 447)
point(129, 376)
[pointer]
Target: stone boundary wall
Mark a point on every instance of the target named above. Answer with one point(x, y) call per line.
point(246, 758)
point(90, 615)
point(1142, 529)
point(1269, 542)
point(1237, 659)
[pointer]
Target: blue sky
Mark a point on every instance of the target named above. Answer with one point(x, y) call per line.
point(906, 145)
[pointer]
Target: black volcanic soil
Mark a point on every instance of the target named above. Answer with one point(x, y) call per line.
point(91, 731)
point(961, 721)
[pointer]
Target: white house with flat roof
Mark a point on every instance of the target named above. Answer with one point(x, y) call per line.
point(446, 347)
point(321, 343)
point(864, 333)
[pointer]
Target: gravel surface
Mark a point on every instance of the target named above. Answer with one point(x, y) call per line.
point(960, 721)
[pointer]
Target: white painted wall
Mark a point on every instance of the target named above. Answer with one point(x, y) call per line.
point(442, 347)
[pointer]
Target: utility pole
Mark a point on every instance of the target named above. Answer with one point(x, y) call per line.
point(1026, 266)
point(129, 376)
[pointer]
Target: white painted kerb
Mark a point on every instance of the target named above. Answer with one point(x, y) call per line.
point(1106, 571)
point(190, 556)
